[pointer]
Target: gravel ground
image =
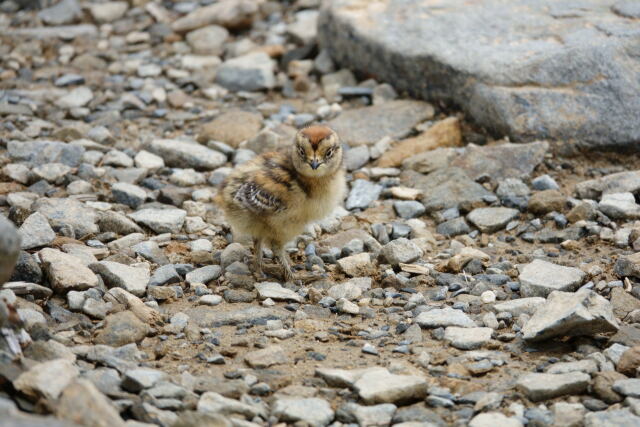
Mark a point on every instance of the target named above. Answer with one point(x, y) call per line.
point(465, 281)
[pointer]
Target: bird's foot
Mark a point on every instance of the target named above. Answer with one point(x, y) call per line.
point(288, 275)
point(258, 271)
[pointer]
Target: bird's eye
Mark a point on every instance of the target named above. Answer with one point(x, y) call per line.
point(329, 152)
point(301, 152)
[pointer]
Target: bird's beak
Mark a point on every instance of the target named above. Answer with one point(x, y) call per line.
point(314, 164)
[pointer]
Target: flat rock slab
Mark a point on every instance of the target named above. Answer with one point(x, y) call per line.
point(381, 386)
point(467, 338)
point(445, 188)
point(260, 359)
point(571, 314)
point(161, 220)
point(539, 386)
point(47, 379)
point(543, 71)
point(489, 220)
point(35, 231)
point(343, 377)
point(519, 306)
point(630, 387)
point(68, 213)
point(129, 278)
point(539, 278)
point(494, 419)
point(628, 181)
point(207, 317)
point(368, 125)
point(275, 291)
point(66, 272)
point(312, 410)
point(501, 161)
point(616, 418)
point(444, 317)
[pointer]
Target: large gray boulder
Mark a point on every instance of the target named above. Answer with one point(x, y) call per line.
point(526, 68)
point(9, 248)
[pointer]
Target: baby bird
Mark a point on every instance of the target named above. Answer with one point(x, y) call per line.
point(274, 196)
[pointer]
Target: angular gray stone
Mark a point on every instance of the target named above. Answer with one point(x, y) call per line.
point(381, 386)
point(629, 387)
point(619, 206)
point(544, 182)
point(250, 72)
point(587, 366)
point(510, 77)
point(539, 278)
point(207, 318)
point(214, 403)
point(47, 379)
point(68, 213)
point(538, 386)
point(376, 415)
point(443, 317)
point(9, 248)
point(117, 223)
point(494, 419)
point(501, 161)
point(128, 194)
point(161, 220)
point(490, 220)
point(445, 188)
point(139, 379)
point(519, 306)
point(208, 40)
point(570, 314)
point(260, 359)
point(408, 209)
point(184, 154)
point(63, 12)
point(453, 227)
point(621, 182)
point(76, 98)
point(467, 338)
point(114, 274)
point(305, 27)
point(401, 251)
point(81, 402)
point(615, 418)
point(356, 157)
point(109, 11)
point(62, 31)
point(313, 411)
point(151, 251)
point(51, 172)
point(230, 14)
point(164, 275)
point(275, 291)
point(43, 152)
point(368, 125)
point(66, 272)
point(362, 194)
point(120, 329)
point(35, 231)
point(204, 274)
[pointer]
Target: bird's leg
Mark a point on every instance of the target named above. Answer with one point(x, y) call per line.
point(283, 257)
point(258, 264)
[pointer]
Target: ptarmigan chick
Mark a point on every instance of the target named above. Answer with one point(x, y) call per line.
point(274, 196)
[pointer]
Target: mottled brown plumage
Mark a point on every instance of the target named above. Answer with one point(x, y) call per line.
point(273, 197)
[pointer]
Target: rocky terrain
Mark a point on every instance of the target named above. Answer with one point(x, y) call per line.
point(467, 280)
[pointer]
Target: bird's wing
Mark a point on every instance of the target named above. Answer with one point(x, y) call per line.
point(257, 199)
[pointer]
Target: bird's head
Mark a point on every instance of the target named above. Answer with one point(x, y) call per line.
point(317, 151)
